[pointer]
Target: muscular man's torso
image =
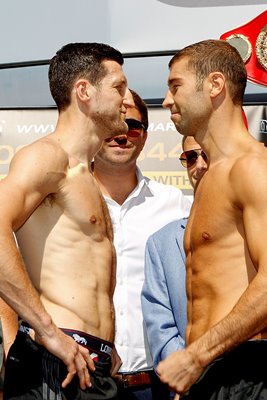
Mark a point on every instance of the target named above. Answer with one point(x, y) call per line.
point(68, 251)
point(219, 267)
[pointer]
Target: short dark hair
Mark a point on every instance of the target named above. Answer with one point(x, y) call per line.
point(142, 108)
point(78, 60)
point(216, 55)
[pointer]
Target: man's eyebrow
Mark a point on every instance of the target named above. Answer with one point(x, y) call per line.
point(173, 80)
point(121, 81)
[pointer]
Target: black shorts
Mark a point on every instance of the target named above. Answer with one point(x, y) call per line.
point(239, 375)
point(34, 373)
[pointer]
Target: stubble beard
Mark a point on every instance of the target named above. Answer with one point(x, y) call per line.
point(184, 126)
point(108, 127)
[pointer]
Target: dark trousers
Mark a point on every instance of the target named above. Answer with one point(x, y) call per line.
point(240, 374)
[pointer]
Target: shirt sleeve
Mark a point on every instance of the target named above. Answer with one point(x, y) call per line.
point(164, 334)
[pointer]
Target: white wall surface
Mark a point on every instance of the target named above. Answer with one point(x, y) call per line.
point(35, 29)
point(145, 25)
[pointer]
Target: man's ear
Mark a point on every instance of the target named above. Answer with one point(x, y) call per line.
point(216, 82)
point(83, 89)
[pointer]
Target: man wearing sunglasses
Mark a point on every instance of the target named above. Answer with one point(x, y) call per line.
point(225, 237)
point(164, 292)
point(138, 207)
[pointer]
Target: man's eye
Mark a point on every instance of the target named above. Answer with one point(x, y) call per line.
point(120, 88)
point(174, 89)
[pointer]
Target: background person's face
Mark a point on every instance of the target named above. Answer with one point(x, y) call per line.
point(122, 149)
point(197, 170)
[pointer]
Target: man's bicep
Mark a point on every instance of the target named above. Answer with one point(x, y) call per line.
point(249, 186)
point(21, 192)
point(17, 202)
point(255, 224)
point(255, 228)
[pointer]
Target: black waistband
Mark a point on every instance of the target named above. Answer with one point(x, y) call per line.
point(93, 344)
point(102, 348)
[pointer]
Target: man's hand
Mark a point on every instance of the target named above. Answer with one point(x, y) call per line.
point(180, 370)
point(116, 362)
point(75, 357)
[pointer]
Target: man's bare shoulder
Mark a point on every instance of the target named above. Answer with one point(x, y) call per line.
point(45, 152)
point(42, 160)
point(248, 175)
point(36, 171)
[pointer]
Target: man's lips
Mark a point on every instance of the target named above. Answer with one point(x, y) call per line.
point(119, 140)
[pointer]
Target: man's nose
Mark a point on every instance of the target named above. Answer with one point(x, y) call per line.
point(128, 100)
point(168, 101)
point(201, 164)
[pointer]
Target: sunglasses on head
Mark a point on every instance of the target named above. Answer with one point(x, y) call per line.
point(189, 158)
point(134, 127)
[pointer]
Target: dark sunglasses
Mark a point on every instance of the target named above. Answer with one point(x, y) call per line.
point(189, 158)
point(134, 127)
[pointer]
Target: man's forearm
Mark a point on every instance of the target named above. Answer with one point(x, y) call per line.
point(17, 289)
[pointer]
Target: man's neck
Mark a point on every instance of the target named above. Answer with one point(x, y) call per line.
point(77, 136)
point(116, 183)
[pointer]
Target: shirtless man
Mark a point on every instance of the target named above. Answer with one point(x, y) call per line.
point(226, 252)
point(52, 202)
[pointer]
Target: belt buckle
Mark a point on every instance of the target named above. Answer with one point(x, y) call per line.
point(124, 381)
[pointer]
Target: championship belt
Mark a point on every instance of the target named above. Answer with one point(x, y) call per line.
point(251, 42)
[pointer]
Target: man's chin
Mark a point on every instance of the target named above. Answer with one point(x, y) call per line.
point(112, 127)
point(176, 123)
point(120, 129)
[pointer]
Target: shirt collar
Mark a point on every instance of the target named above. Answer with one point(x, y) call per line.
point(143, 184)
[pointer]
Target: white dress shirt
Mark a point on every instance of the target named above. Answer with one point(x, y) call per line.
point(150, 206)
